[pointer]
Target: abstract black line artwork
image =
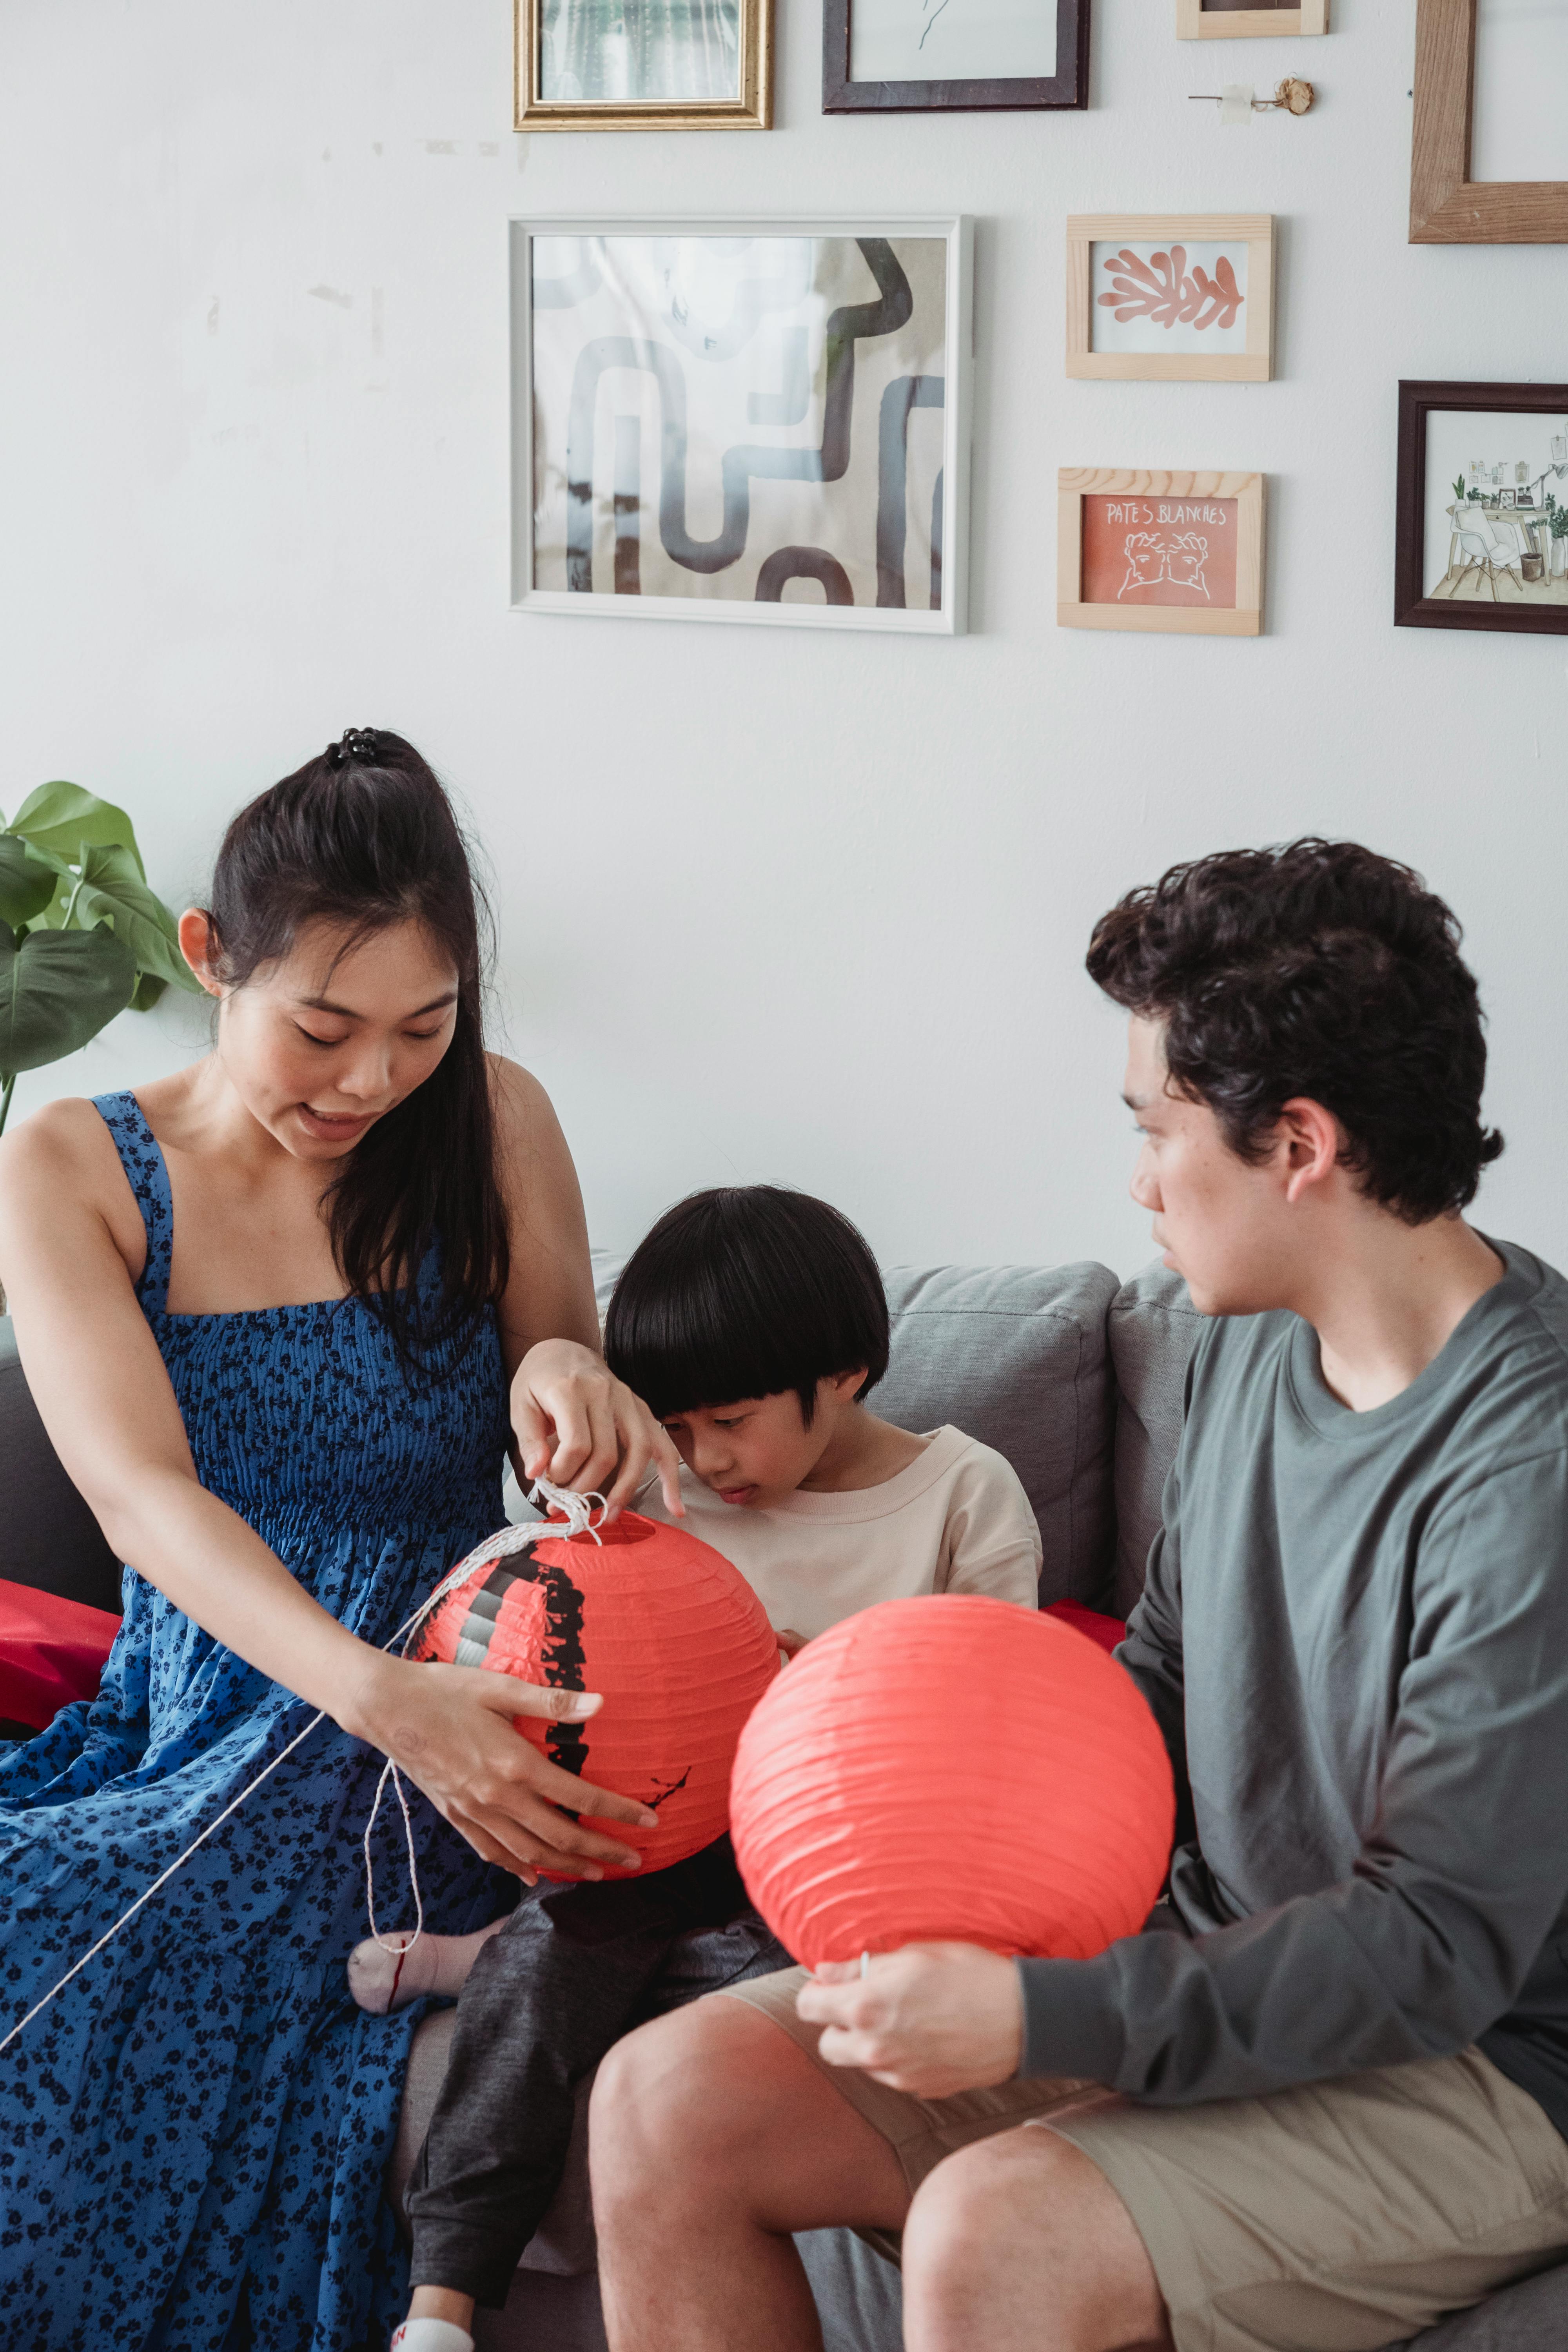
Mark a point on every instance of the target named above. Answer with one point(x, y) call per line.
point(755, 421)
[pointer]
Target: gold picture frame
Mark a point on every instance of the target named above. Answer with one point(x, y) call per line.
point(1446, 206)
point(1197, 23)
point(1201, 534)
point(1172, 233)
point(749, 109)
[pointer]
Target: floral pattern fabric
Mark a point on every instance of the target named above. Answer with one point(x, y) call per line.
point(193, 2136)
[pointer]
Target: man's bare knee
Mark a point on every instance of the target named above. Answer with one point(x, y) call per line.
point(1022, 2232)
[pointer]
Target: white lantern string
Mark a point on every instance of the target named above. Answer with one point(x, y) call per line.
point(577, 1511)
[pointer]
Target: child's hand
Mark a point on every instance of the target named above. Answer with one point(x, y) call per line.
point(789, 1641)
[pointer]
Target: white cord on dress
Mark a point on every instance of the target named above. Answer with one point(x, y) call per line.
point(577, 1509)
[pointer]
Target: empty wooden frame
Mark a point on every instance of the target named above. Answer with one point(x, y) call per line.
point(1226, 22)
point(1170, 297)
point(1181, 553)
point(1446, 206)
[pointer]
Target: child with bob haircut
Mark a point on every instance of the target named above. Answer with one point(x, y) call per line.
point(753, 1323)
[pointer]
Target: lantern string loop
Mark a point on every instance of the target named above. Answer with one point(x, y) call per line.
point(577, 1511)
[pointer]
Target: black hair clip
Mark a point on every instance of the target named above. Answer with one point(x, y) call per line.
point(358, 744)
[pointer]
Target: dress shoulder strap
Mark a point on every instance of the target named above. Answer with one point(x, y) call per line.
point(148, 1176)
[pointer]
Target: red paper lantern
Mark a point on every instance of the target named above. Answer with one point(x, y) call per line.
point(661, 1624)
point(952, 1767)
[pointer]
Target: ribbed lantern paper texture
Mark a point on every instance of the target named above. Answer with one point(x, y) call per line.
point(957, 1768)
point(661, 1624)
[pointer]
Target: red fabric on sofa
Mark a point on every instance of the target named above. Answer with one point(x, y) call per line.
point(1106, 1631)
point(52, 1652)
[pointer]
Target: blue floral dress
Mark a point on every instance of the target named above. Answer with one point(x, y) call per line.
point(193, 2136)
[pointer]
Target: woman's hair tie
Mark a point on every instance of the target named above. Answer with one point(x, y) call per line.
point(357, 744)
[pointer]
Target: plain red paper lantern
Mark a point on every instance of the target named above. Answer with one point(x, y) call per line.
point(661, 1624)
point(954, 1767)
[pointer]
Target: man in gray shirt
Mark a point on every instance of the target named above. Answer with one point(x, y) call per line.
point(1324, 2099)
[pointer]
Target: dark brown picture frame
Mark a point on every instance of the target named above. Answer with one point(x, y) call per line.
point(1412, 608)
point(1067, 86)
point(1446, 206)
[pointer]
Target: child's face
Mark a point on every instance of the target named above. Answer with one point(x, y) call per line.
point(755, 1452)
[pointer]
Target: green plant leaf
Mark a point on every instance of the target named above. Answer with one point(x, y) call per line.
point(149, 987)
point(112, 892)
point(65, 818)
point(26, 880)
point(56, 989)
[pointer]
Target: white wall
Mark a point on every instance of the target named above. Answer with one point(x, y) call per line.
point(776, 904)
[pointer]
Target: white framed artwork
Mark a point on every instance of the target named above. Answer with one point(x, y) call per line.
point(761, 421)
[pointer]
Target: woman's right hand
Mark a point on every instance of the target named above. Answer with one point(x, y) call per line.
point(450, 1729)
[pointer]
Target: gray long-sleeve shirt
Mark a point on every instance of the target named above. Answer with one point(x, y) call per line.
point(1355, 1635)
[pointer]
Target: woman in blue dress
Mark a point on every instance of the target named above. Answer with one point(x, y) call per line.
point(283, 1314)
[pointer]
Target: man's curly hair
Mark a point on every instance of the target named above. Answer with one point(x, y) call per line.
point(1314, 968)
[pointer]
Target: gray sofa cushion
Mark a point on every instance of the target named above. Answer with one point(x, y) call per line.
point(1153, 1327)
point(1016, 1356)
point(49, 1537)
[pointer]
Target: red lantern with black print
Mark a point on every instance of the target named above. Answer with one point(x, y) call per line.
point(952, 1769)
point(672, 1636)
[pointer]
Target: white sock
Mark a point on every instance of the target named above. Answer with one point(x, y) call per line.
point(433, 2334)
point(382, 1981)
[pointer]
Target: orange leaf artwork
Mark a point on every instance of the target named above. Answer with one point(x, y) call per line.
point(1161, 290)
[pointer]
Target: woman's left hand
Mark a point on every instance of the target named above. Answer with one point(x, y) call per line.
point(579, 1426)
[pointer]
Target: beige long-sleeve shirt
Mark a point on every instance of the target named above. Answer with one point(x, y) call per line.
point(956, 1520)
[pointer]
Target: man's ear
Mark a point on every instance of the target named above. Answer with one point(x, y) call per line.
point(199, 945)
point(1311, 1141)
point(843, 1384)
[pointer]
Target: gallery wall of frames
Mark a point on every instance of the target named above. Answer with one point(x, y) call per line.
point(831, 560)
point(791, 358)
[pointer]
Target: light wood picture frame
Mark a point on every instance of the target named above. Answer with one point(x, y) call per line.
point(562, 46)
point(752, 420)
point(1194, 21)
point(1178, 554)
point(1446, 206)
point(1183, 290)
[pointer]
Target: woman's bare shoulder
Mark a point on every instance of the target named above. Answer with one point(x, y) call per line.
point(61, 1184)
point(526, 1123)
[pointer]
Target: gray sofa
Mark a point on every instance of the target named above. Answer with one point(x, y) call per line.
point(1079, 1381)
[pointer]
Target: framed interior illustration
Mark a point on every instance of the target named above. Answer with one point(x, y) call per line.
point(747, 420)
point(1489, 158)
point(906, 57)
point(1177, 552)
point(643, 64)
point(1248, 20)
point(1482, 530)
point(1186, 296)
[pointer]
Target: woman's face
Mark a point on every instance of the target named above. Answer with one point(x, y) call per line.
point(325, 1042)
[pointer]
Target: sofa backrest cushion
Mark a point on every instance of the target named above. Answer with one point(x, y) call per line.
point(1016, 1356)
point(49, 1537)
point(1153, 1327)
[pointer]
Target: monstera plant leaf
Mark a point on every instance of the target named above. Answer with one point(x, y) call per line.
point(111, 891)
point(27, 882)
point(66, 819)
point(56, 989)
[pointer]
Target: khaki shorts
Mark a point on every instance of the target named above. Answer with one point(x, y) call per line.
point(1337, 2217)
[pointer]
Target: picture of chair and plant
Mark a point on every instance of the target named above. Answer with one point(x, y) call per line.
point(1482, 536)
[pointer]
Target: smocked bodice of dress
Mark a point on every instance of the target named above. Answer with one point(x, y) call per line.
point(304, 1419)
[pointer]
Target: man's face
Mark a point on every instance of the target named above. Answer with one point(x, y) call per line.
point(1222, 1223)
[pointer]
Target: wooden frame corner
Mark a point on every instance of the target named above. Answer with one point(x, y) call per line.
point(1446, 206)
point(1255, 365)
